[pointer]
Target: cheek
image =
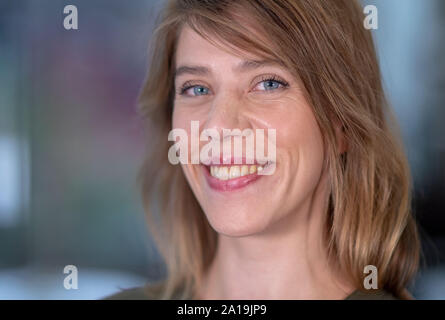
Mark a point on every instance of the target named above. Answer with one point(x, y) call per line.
point(305, 152)
point(180, 119)
point(304, 137)
point(186, 112)
point(296, 127)
point(300, 146)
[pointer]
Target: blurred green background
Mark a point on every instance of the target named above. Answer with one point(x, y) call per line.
point(71, 142)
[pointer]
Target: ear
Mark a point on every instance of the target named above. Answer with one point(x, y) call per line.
point(342, 143)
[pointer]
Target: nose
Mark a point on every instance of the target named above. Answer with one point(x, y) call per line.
point(227, 117)
point(226, 112)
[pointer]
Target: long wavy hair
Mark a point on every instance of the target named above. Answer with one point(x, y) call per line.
point(323, 43)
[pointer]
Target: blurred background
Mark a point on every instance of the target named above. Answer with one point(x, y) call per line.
point(71, 142)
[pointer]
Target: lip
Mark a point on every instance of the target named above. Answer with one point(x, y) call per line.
point(231, 184)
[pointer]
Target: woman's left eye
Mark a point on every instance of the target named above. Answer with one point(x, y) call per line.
point(270, 85)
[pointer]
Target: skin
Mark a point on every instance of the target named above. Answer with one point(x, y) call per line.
point(270, 232)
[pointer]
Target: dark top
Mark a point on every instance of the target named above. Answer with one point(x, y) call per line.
point(139, 293)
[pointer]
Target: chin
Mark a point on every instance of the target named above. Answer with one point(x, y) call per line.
point(237, 224)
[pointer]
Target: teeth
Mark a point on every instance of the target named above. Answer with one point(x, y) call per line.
point(233, 172)
point(223, 173)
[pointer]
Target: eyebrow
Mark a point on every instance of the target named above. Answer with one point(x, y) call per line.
point(243, 66)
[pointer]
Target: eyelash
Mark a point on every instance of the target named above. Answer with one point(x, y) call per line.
point(189, 84)
point(273, 78)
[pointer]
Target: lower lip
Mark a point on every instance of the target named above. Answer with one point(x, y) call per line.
point(231, 184)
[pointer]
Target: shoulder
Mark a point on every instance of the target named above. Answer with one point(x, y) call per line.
point(136, 293)
point(371, 295)
point(153, 291)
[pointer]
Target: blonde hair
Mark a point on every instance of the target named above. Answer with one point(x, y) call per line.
point(324, 44)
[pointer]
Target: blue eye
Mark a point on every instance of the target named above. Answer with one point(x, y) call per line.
point(200, 90)
point(271, 84)
point(195, 91)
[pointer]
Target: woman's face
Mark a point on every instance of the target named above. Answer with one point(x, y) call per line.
point(221, 91)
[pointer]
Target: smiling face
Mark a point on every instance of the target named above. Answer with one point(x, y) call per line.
point(225, 91)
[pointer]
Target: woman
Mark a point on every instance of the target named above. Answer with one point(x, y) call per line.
point(338, 199)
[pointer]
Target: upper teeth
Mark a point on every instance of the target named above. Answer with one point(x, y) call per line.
point(231, 172)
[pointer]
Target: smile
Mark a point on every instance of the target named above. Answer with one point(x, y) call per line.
point(233, 172)
point(233, 177)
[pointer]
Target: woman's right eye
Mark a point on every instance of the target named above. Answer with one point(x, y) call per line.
point(194, 91)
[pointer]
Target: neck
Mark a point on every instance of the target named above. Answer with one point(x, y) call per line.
point(287, 261)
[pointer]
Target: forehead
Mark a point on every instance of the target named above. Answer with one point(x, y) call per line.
point(192, 47)
point(195, 55)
